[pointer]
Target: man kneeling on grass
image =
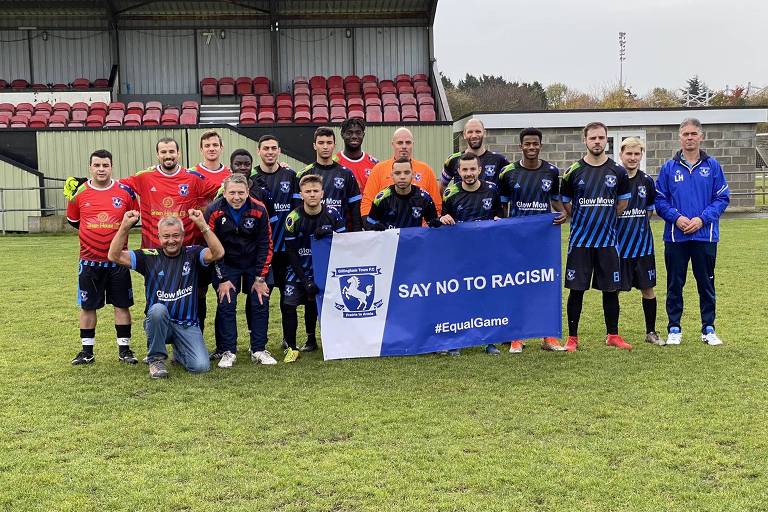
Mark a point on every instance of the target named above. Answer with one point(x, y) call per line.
point(170, 284)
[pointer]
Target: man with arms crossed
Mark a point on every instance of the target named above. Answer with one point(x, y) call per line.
point(170, 284)
point(691, 195)
point(491, 163)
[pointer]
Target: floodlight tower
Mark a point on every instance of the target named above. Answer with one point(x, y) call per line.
point(622, 56)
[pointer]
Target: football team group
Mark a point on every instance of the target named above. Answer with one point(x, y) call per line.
point(245, 228)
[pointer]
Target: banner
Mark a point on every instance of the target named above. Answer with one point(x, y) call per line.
point(420, 290)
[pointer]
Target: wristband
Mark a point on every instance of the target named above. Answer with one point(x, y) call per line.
point(207, 229)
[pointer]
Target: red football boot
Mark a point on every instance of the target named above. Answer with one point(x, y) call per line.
point(614, 340)
point(571, 344)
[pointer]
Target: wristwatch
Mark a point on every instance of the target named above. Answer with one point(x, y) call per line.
point(259, 279)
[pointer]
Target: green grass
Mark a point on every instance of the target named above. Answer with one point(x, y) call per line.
point(661, 428)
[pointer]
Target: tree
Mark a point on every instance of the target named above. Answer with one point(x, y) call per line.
point(557, 94)
point(618, 97)
point(696, 93)
point(660, 97)
point(447, 82)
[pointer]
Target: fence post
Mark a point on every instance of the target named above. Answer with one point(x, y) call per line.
point(2, 207)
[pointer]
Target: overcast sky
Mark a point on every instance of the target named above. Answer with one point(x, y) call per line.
point(576, 42)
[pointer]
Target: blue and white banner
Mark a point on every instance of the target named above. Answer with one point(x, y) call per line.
point(420, 290)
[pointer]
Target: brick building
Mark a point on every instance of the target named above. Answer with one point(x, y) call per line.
point(729, 136)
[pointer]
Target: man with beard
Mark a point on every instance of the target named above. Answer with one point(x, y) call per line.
point(595, 190)
point(352, 156)
point(381, 175)
point(402, 204)
point(472, 199)
point(340, 188)
point(635, 240)
point(491, 163)
point(170, 283)
point(532, 187)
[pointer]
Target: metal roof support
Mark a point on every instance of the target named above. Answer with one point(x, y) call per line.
point(274, 37)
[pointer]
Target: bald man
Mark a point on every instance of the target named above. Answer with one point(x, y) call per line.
point(380, 178)
point(491, 163)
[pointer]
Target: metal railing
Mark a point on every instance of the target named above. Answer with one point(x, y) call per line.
point(38, 208)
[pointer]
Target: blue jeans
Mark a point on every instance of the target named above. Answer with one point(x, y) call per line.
point(702, 256)
point(256, 314)
point(188, 344)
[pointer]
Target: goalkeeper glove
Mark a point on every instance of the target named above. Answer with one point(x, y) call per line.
point(322, 232)
point(72, 186)
point(311, 288)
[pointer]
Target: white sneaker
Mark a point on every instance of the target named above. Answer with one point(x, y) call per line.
point(263, 357)
point(227, 359)
point(674, 337)
point(710, 338)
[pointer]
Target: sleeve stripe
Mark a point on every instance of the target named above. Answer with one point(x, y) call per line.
point(625, 196)
point(354, 199)
point(133, 260)
point(722, 189)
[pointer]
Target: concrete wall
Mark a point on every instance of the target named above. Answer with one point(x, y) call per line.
point(732, 144)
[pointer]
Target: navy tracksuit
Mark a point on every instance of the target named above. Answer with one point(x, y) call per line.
point(692, 190)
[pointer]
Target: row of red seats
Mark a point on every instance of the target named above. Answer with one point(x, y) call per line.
point(78, 84)
point(96, 115)
point(228, 86)
point(335, 114)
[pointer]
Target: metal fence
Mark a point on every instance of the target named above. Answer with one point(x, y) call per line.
point(14, 201)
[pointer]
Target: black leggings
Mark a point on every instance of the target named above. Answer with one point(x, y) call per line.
point(291, 321)
point(610, 310)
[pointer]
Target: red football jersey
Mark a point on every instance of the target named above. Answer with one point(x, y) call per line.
point(162, 195)
point(217, 176)
point(100, 212)
point(361, 168)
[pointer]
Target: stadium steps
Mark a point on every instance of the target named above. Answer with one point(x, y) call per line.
point(220, 114)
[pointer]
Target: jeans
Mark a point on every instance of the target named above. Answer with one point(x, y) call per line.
point(257, 315)
point(702, 256)
point(188, 344)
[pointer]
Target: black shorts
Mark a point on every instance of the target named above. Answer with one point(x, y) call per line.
point(204, 277)
point(600, 265)
point(294, 294)
point(638, 273)
point(278, 270)
point(100, 283)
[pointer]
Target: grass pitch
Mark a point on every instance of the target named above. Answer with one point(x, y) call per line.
point(661, 428)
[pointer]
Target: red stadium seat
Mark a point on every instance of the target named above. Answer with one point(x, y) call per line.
point(338, 114)
point(243, 86)
point(391, 114)
point(190, 104)
point(373, 114)
point(19, 121)
point(369, 88)
point(409, 113)
point(335, 81)
point(353, 88)
point(57, 121)
point(352, 79)
point(370, 79)
point(101, 83)
point(81, 83)
point(94, 121)
point(208, 87)
point(355, 102)
point(3, 84)
point(153, 105)
point(320, 101)
point(266, 116)
point(169, 118)
point(248, 118)
point(372, 101)
point(261, 85)
point(59, 87)
point(38, 121)
point(284, 100)
point(407, 99)
point(427, 113)
point(43, 107)
point(284, 113)
point(170, 109)
point(387, 86)
point(356, 113)
point(249, 101)
point(425, 99)
point(336, 91)
point(302, 116)
point(403, 78)
point(420, 77)
point(252, 108)
point(300, 80)
point(116, 106)
point(79, 116)
point(135, 107)
point(318, 82)
point(19, 84)
point(98, 107)
point(132, 120)
point(422, 88)
point(405, 89)
point(188, 117)
point(80, 105)
point(39, 87)
point(75, 124)
point(8, 107)
point(389, 99)
point(151, 118)
point(338, 101)
point(267, 101)
point(24, 107)
point(115, 115)
point(110, 123)
point(301, 101)
point(226, 86)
